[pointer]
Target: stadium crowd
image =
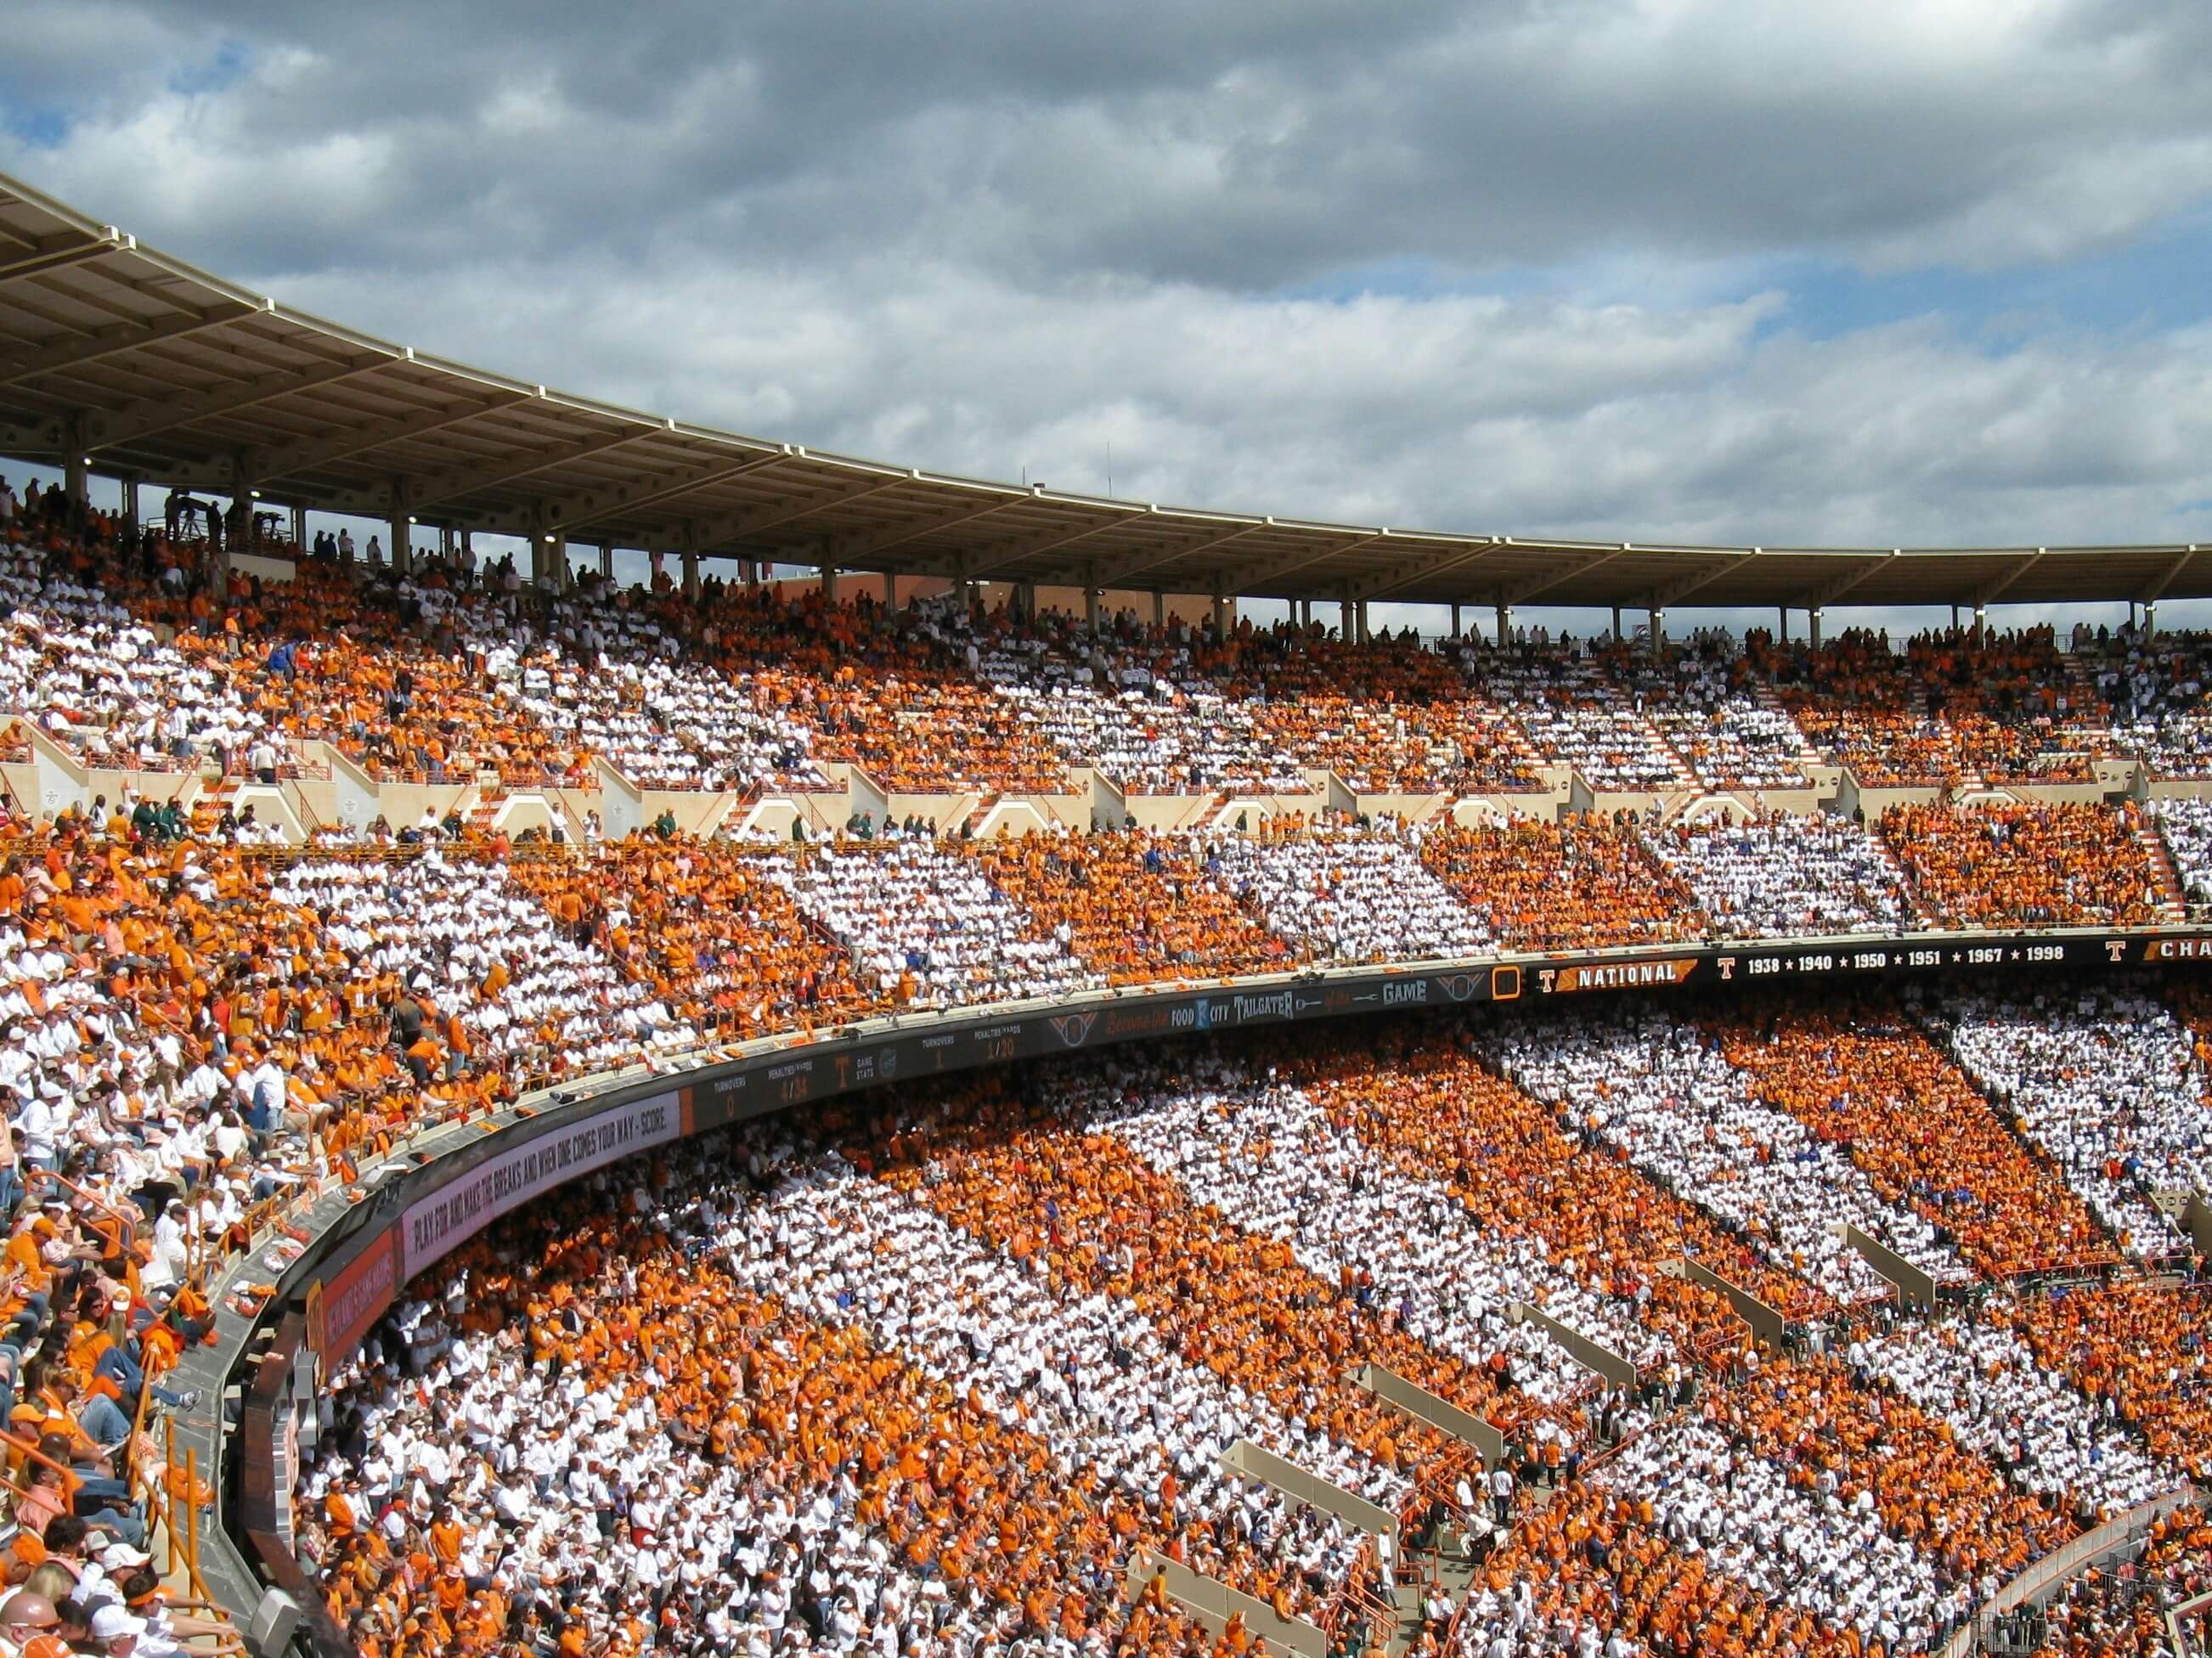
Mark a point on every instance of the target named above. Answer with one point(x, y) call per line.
point(2122, 1605)
point(1785, 875)
point(1704, 701)
point(1576, 714)
point(927, 929)
point(1661, 1091)
point(2032, 866)
point(2153, 688)
point(2106, 1083)
point(941, 1372)
point(1348, 894)
point(948, 1371)
point(1586, 882)
point(1951, 709)
point(1135, 906)
point(1866, 1079)
point(446, 669)
point(2185, 827)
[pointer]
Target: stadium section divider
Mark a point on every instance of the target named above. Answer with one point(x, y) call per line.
point(1767, 1325)
point(1441, 1414)
point(1603, 1363)
point(2196, 1221)
point(1252, 1462)
point(1214, 1603)
point(1914, 1287)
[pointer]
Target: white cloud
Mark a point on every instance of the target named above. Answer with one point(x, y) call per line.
point(985, 237)
point(1469, 413)
point(1245, 146)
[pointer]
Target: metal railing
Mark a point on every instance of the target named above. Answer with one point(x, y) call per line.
point(1363, 1598)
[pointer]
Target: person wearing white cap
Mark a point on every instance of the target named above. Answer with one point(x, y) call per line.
point(119, 1631)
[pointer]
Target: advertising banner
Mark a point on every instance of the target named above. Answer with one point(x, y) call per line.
point(458, 1210)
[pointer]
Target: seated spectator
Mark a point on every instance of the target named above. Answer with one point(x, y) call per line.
point(1863, 1078)
point(1133, 906)
point(2024, 866)
point(1785, 877)
point(1584, 883)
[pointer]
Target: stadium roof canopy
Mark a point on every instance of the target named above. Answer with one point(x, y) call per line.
point(154, 370)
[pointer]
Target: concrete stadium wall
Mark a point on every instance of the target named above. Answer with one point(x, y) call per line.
point(2090, 793)
point(1441, 1414)
point(1213, 1604)
point(1601, 1362)
point(1545, 804)
point(1769, 1326)
point(1851, 796)
point(1914, 1287)
point(1255, 1462)
point(53, 779)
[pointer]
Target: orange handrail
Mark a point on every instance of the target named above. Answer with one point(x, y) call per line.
point(29, 1448)
point(126, 1223)
point(184, 1542)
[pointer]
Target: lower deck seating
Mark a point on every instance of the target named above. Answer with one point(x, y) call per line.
point(933, 1370)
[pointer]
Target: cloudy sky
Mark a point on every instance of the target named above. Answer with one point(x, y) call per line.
point(1895, 271)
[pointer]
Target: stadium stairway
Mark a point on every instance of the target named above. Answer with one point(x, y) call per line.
point(2166, 881)
point(2083, 695)
point(207, 806)
point(483, 817)
point(1685, 776)
point(1807, 758)
point(1455, 1576)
